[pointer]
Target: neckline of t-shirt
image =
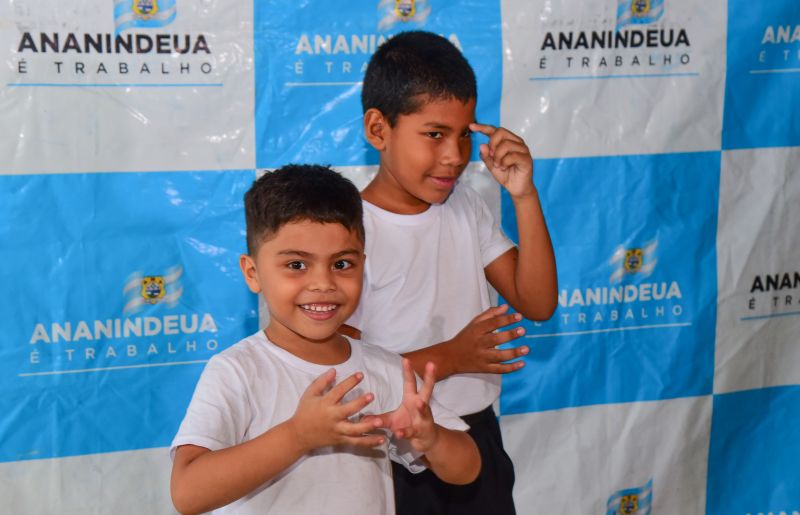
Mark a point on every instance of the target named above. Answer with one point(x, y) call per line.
point(398, 219)
point(344, 368)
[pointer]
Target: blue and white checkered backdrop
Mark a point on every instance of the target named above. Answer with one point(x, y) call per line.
point(667, 143)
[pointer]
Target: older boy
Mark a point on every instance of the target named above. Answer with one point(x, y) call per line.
point(267, 431)
point(432, 244)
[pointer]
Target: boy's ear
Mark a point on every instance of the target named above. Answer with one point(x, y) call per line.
point(376, 128)
point(248, 266)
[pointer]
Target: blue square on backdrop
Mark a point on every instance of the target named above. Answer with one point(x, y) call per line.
point(634, 238)
point(125, 284)
point(310, 59)
point(754, 452)
point(762, 89)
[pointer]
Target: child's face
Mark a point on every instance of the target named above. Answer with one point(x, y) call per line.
point(425, 152)
point(310, 274)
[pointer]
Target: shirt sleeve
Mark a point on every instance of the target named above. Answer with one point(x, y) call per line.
point(219, 410)
point(493, 241)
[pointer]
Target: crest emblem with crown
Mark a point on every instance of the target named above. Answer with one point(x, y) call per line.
point(145, 9)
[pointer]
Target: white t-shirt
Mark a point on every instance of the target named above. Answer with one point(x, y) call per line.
point(424, 281)
point(255, 385)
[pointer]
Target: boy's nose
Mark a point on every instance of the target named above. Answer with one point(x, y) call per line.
point(322, 280)
point(455, 152)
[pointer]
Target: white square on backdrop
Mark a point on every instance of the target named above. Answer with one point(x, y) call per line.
point(571, 90)
point(180, 99)
point(758, 270)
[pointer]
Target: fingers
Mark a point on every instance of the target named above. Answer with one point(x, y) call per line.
point(508, 153)
point(501, 135)
point(491, 313)
point(361, 433)
point(341, 389)
point(320, 384)
point(377, 421)
point(360, 428)
point(499, 356)
point(428, 382)
point(504, 368)
point(496, 322)
point(409, 379)
point(364, 441)
point(486, 130)
point(504, 149)
point(495, 134)
point(421, 423)
point(486, 157)
point(499, 361)
point(501, 337)
point(354, 406)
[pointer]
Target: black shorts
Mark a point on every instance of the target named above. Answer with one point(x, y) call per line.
point(490, 494)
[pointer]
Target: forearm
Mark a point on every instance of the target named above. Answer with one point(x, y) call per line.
point(216, 478)
point(439, 354)
point(535, 281)
point(454, 458)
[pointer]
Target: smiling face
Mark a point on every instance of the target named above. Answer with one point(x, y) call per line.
point(310, 275)
point(422, 155)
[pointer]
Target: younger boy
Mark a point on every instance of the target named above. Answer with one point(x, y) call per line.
point(432, 245)
point(267, 431)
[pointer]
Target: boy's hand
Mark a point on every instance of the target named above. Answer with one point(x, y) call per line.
point(322, 420)
point(413, 419)
point(474, 349)
point(508, 159)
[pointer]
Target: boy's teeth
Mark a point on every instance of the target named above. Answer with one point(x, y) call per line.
point(319, 307)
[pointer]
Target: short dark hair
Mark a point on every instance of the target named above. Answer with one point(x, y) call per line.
point(296, 193)
point(410, 66)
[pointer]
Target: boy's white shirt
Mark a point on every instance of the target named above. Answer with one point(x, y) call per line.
point(424, 281)
point(255, 385)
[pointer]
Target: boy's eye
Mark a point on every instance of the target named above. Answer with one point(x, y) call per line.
point(297, 265)
point(434, 134)
point(466, 134)
point(342, 264)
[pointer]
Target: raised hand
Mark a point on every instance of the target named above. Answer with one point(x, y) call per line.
point(413, 419)
point(474, 349)
point(321, 419)
point(508, 159)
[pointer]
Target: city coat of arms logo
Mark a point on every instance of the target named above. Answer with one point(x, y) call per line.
point(403, 11)
point(629, 504)
point(153, 289)
point(142, 290)
point(638, 12)
point(631, 501)
point(143, 14)
point(640, 8)
point(145, 9)
point(635, 260)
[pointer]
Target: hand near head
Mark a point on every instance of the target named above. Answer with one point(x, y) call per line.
point(508, 159)
point(321, 419)
point(413, 419)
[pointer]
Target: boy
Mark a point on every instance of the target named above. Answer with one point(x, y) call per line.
point(267, 431)
point(432, 244)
